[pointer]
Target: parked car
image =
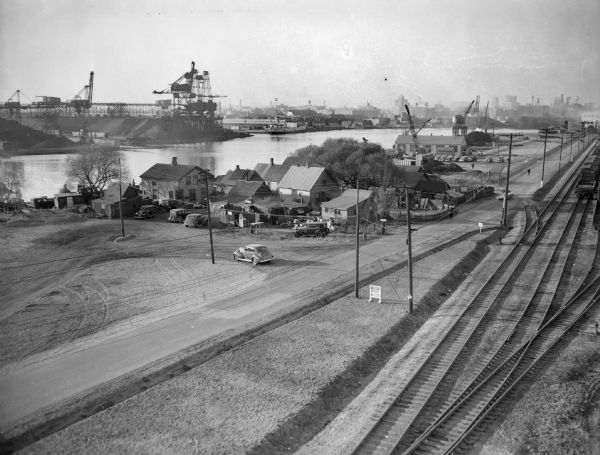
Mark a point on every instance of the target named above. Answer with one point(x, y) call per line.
point(145, 211)
point(178, 215)
point(199, 205)
point(254, 253)
point(195, 220)
point(168, 204)
point(309, 229)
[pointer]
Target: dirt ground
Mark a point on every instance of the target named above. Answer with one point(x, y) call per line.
point(253, 399)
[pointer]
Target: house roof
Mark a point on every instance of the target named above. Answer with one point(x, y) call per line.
point(247, 189)
point(347, 199)
point(404, 139)
point(301, 177)
point(170, 172)
point(271, 172)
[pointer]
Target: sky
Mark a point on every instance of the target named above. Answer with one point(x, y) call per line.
point(338, 52)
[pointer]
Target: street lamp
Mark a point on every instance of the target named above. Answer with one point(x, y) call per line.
point(409, 243)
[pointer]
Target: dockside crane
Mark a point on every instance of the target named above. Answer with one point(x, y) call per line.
point(411, 129)
point(83, 100)
point(192, 94)
point(460, 122)
point(14, 106)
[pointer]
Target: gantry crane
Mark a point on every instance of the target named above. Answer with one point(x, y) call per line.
point(14, 106)
point(192, 94)
point(460, 122)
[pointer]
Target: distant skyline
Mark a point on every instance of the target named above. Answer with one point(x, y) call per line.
point(341, 53)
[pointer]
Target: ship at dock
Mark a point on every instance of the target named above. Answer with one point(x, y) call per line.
point(283, 127)
point(188, 115)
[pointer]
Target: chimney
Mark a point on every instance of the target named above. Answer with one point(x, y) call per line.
point(272, 162)
point(237, 167)
point(174, 161)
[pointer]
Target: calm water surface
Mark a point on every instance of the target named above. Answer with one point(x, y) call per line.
point(44, 175)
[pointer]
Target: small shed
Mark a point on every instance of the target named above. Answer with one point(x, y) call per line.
point(343, 208)
point(108, 205)
point(68, 200)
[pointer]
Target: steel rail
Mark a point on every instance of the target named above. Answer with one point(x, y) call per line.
point(437, 366)
point(499, 368)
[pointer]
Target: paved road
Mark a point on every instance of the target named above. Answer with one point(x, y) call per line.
point(27, 391)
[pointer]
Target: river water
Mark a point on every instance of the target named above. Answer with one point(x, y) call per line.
point(44, 175)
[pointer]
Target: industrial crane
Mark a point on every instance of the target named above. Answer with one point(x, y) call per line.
point(14, 106)
point(83, 100)
point(411, 128)
point(460, 122)
point(192, 93)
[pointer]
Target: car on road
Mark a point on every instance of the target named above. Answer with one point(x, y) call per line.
point(195, 220)
point(501, 196)
point(178, 215)
point(145, 211)
point(254, 253)
point(311, 229)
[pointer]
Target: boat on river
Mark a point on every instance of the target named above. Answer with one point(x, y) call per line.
point(286, 128)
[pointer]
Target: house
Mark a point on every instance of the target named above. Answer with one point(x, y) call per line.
point(309, 185)
point(68, 200)
point(452, 145)
point(343, 208)
point(271, 173)
point(183, 182)
point(108, 205)
point(224, 183)
point(248, 190)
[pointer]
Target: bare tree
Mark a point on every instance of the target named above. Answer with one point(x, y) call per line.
point(11, 176)
point(94, 169)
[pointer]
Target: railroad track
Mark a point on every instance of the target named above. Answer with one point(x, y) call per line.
point(513, 294)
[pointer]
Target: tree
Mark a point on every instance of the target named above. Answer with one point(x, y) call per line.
point(11, 176)
point(347, 159)
point(94, 169)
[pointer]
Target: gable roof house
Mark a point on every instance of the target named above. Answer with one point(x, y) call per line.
point(271, 173)
point(343, 208)
point(224, 183)
point(248, 190)
point(310, 185)
point(108, 205)
point(183, 182)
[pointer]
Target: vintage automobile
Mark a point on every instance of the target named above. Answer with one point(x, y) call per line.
point(178, 215)
point(145, 211)
point(501, 196)
point(195, 220)
point(311, 229)
point(254, 253)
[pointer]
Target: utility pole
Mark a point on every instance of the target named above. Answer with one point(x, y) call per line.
point(571, 149)
point(505, 201)
point(357, 242)
point(212, 251)
point(543, 159)
point(409, 243)
point(121, 203)
point(561, 146)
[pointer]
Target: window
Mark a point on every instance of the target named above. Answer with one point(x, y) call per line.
point(188, 180)
point(153, 182)
point(170, 194)
point(195, 179)
point(337, 211)
point(325, 209)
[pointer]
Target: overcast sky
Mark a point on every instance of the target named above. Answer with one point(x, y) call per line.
point(341, 52)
